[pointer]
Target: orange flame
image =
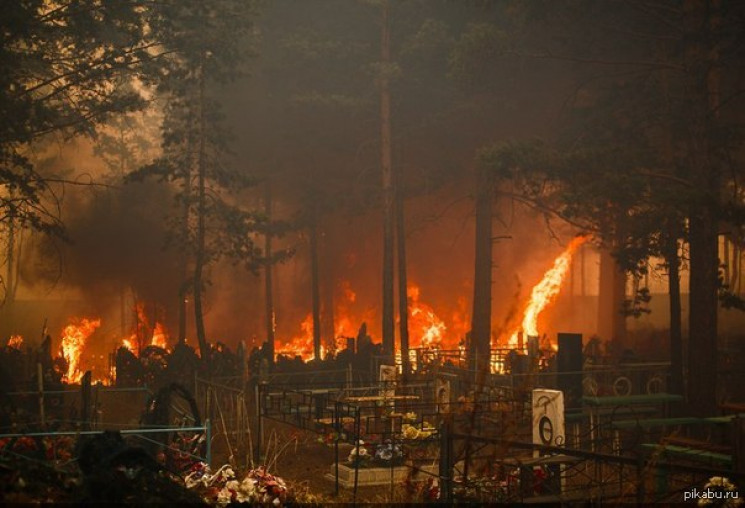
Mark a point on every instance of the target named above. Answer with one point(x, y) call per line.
point(74, 337)
point(300, 345)
point(427, 330)
point(159, 337)
point(15, 342)
point(545, 292)
point(130, 344)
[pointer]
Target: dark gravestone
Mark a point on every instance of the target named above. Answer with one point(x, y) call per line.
point(569, 368)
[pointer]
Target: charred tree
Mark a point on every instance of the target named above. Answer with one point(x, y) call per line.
point(480, 345)
point(327, 294)
point(186, 282)
point(611, 296)
point(315, 285)
point(268, 289)
point(672, 262)
point(10, 281)
point(403, 299)
point(200, 253)
point(702, 22)
point(387, 181)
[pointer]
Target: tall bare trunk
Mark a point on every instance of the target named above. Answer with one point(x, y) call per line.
point(268, 290)
point(388, 193)
point(10, 284)
point(327, 293)
point(480, 344)
point(672, 260)
point(201, 226)
point(611, 296)
point(315, 287)
point(702, 55)
point(403, 299)
point(183, 290)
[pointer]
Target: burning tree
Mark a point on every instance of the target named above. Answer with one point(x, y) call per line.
point(196, 157)
point(74, 337)
point(657, 148)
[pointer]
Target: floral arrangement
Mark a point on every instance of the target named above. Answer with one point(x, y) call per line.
point(359, 456)
point(412, 432)
point(50, 447)
point(409, 417)
point(257, 487)
point(719, 490)
point(387, 453)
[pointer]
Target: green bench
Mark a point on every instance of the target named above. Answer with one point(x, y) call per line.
point(649, 423)
point(632, 400)
point(690, 453)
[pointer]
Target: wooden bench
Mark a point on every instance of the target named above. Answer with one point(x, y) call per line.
point(632, 400)
point(729, 408)
point(649, 423)
point(695, 444)
point(689, 453)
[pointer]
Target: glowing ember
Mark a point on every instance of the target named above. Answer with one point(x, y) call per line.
point(15, 342)
point(74, 337)
point(426, 329)
point(545, 292)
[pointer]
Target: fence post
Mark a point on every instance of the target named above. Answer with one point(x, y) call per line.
point(640, 487)
point(40, 381)
point(357, 430)
point(738, 431)
point(259, 429)
point(208, 432)
point(446, 467)
point(338, 428)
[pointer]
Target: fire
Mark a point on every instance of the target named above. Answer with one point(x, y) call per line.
point(426, 329)
point(15, 342)
point(130, 344)
point(159, 336)
point(74, 337)
point(545, 292)
point(301, 345)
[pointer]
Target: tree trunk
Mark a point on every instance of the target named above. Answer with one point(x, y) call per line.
point(388, 193)
point(268, 290)
point(403, 299)
point(702, 58)
point(315, 289)
point(479, 347)
point(703, 326)
point(186, 281)
point(10, 284)
point(672, 261)
point(183, 290)
point(327, 294)
point(611, 295)
point(201, 217)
